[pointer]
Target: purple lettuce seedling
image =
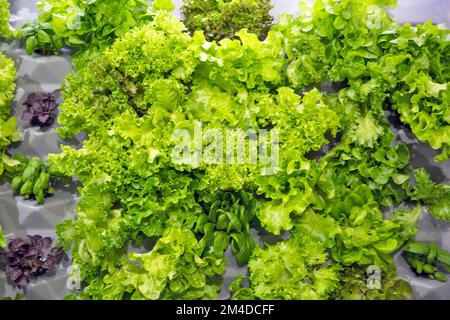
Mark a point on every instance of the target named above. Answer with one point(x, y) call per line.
point(41, 108)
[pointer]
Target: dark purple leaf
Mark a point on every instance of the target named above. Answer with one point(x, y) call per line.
point(52, 106)
point(13, 273)
point(45, 242)
point(56, 94)
point(27, 116)
point(38, 106)
point(43, 118)
point(15, 244)
point(50, 262)
point(32, 252)
point(34, 240)
point(32, 97)
point(57, 251)
point(22, 281)
point(15, 260)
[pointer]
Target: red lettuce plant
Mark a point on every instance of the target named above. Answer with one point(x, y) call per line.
point(27, 259)
point(41, 108)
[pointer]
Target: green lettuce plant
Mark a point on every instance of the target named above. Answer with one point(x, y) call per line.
point(221, 19)
point(6, 31)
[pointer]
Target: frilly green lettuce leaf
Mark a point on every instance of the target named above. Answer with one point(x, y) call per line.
point(366, 131)
point(275, 216)
point(435, 196)
point(224, 19)
point(174, 268)
point(6, 31)
point(7, 85)
point(293, 270)
point(354, 286)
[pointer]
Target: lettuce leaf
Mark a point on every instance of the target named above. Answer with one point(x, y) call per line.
point(355, 287)
point(293, 269)
point(223, 19)
point(173, 269)
point(3, 241)
point(6, 31)
point(8, 131)
point(435, 196)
